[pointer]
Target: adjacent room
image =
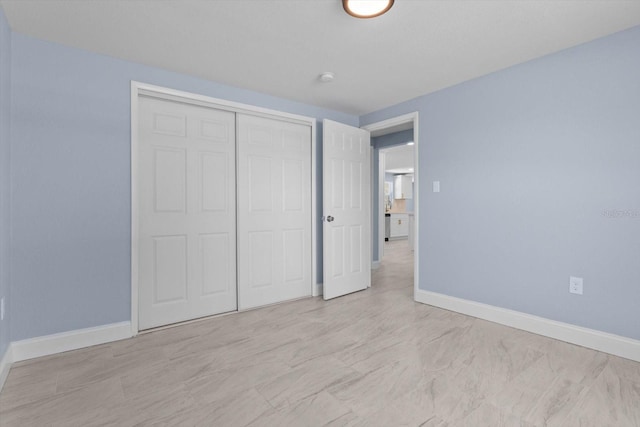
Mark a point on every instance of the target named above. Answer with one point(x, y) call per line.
point(327, 212)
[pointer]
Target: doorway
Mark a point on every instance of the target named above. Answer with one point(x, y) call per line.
point(396, 165)
point(407, 125)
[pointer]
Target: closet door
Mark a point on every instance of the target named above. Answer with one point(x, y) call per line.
point(186, 197)
point(274, 211)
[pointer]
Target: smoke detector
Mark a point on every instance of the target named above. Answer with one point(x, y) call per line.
point(326, 77)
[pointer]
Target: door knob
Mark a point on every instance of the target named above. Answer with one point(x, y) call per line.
point(330, 218)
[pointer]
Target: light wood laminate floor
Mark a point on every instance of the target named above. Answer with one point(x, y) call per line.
point(373, 358)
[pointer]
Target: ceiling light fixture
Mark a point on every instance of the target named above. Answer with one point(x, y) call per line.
point(366, 8)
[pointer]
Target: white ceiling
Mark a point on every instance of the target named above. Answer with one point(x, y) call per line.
point(280, 47)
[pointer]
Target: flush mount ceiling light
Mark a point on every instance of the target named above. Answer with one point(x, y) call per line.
point(366, 8)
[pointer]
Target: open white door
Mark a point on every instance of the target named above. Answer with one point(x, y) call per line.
point(346, 204)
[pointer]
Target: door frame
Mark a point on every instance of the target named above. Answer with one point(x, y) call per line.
point(381, 126)
point(143, 89)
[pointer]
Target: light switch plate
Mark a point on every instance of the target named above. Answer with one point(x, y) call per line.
point(436, 186)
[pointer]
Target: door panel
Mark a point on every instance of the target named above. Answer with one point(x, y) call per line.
point(186, 198)
point(346, 200)
point(293, 251)
point(274, 211)
point(356, 236)
point(293, 192)
point(215, 261)
point(169, 179)
point(260, 259)
point(260, 184)
point(170, 269)
point(215, 182)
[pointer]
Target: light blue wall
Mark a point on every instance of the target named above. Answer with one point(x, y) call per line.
point(378, 142)
point(5, 176)
point(392, 139)
point(71, 177)
point(539, 167)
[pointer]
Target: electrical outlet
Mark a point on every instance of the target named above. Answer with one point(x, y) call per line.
point(575, 285)
point(2, 308)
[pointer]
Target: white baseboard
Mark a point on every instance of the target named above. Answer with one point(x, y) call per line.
point(375, 265)
point(590, 338)
point(5, 366)
point(317, 290)
point(66, 341)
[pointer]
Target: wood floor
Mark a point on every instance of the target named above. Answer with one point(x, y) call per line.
point(373, 358)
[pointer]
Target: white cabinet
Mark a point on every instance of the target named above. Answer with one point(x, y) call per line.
point(403, 187)
point(399, 225)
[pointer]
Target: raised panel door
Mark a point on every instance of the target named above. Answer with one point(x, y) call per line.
point(274, 211)
point(186, 215)
point(346, 199)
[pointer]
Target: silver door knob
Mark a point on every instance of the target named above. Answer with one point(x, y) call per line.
point(330, 218)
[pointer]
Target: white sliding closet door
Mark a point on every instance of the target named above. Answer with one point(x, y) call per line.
point(186, 207)
point(274, 211)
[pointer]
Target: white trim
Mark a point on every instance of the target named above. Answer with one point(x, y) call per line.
point(317, 290)
point(139, 88)
point(372, 198)
point(375, 265)
point(314, 215)
point(5, 365)
point(134, 208)
point(66, 341)
point(382, 159)
point(585, 337)
point(143, 89)
point(395, 121)
point(416, 203)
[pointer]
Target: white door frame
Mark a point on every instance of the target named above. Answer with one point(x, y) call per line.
point(138, 89)
point(385, 124)
point(381, 206)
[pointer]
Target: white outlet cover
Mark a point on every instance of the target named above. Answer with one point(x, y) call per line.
point(436, 186)
point(575, 285)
